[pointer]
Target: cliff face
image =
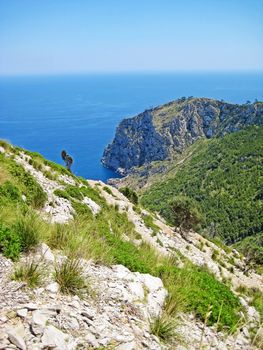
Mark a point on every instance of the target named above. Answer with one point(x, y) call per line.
point(165, 131)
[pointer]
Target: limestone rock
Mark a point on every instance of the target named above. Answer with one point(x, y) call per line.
point(94, 207)
point(45, 252)
point(126, 346)
point(16, 337)
point(54, 338)
point(22, 313)
point(53, 287)
point(38, 322)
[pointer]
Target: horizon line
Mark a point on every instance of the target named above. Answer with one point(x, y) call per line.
point(184, 71)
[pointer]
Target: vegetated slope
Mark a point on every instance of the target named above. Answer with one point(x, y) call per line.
point(225, 178)
point(90, 227)
point(165, 131)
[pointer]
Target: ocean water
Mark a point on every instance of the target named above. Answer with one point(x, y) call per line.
point(80, 113)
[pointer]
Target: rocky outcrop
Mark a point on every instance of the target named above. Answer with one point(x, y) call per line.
point(162, 132)
point(118, 315)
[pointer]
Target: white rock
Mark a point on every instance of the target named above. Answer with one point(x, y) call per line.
point(152, 283)
point(46, 252)
point(126, 346)
point(31, 306)
point(38, 322)
point(53, 287)
point(94, 207)
point(136, 289)
point(53, 337)
point(2, 150)
point(22, 313)
point(246, 332)
point(91, 339)
point(252, 313)
point(16, 337)
point(75, 304)
point(243, 302)
point(121, 271)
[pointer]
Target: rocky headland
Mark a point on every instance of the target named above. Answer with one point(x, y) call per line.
point(164, 132)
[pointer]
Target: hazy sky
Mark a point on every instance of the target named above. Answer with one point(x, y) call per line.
point(57, 36)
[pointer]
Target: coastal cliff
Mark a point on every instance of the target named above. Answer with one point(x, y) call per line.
point(167, 130)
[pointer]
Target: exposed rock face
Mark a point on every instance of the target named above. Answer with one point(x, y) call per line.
point(164, 131)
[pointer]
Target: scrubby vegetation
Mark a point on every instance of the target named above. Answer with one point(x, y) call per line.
point(148, 220)
point(183, 213)
point(130, 194)
point(224, 176)
point(69, 277)
point(107, 238)
point(30, 272)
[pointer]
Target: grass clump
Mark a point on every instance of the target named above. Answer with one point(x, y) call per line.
point(108, 190)
point(148, 220)
point(196, 289)
point(257, 301)
point(164, 327)
point(69, 277)
point(29, 229)
point(30, 272)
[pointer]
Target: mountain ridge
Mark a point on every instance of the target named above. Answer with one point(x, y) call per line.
point(163, 132)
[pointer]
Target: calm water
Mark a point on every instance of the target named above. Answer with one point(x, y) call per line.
point(80, 113)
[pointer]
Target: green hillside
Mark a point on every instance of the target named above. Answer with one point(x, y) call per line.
point(225, 178)
point(98, 237)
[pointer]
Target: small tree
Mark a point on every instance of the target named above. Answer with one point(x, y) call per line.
point(67, 159)
point(184, 213)
point(130, 194)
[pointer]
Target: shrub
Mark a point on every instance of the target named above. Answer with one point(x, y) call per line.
point(10, 243)
point(108, 190)
point(34, 192)
point(130, 194)
point(62, 194)
point(30, 272)
point(199, 289)
point(81, 209)
point(69, 277)
point(184, 213)
point(10, 191)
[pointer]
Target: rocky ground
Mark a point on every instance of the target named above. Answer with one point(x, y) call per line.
point(115, 312)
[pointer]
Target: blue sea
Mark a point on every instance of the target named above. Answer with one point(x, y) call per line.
point(80, 113)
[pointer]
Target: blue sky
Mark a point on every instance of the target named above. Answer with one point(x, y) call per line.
point(75, 36)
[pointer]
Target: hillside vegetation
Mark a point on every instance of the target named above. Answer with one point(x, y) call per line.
point(88, 221)
point(224, 176)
